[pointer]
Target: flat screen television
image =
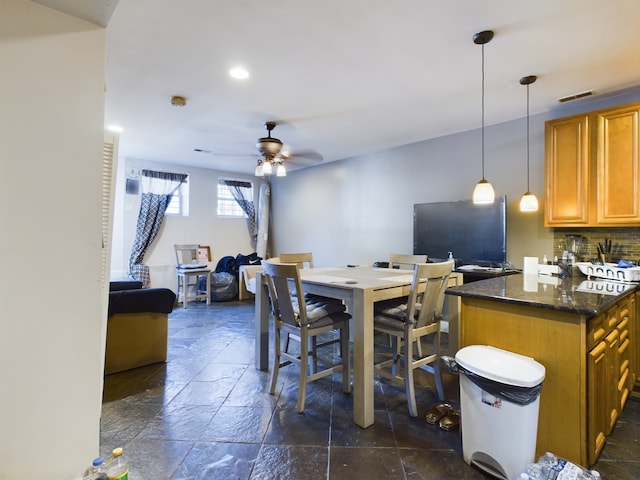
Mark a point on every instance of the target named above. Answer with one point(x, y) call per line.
point(475, 234)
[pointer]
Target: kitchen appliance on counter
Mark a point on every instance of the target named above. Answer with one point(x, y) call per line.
point(572, 244)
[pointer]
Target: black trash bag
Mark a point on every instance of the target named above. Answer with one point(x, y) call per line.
point(224, 286)
point(511, 393)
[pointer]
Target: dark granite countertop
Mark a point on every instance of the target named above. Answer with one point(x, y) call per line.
point(576, 294)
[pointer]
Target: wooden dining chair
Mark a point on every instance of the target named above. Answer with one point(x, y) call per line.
point(303, 260)
point(409, 323)
point(304, 318)
point(405, 261)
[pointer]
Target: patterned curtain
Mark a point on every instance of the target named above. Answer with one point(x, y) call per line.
point(240, 191)
point(263, 219)
point(157, 190)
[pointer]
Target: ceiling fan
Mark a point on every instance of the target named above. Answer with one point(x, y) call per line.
point(273, 154)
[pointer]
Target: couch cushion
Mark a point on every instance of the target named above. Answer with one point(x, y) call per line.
point(158, 300)
point(124, 284)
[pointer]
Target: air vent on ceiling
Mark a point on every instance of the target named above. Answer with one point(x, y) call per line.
point(575, 96)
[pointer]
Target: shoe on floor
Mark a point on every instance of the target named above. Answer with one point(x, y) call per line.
point(450, 421)
point(438, 411)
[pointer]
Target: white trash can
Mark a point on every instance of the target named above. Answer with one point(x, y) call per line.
point(499, 404)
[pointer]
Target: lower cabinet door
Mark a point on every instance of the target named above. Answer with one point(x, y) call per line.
point(597, 399)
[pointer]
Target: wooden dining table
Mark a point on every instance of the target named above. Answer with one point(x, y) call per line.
point(359, 287)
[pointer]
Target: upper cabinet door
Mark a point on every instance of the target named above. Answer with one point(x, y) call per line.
point(618, 195)
point(567, 171)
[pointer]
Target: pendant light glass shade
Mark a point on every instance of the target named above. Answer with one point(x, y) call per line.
point(528, 202)
point(266, 168)
point(281, 171)
point(259, 171)
point(483, 193)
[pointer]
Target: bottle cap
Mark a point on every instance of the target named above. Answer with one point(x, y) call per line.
point(98, 461)
point(117, 452)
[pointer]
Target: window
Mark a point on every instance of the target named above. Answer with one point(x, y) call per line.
point(179, 203)
point(227, 205)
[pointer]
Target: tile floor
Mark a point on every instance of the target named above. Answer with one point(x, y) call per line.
point(207, 414)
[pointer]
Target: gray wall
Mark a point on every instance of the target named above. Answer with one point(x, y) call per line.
point(360, 209)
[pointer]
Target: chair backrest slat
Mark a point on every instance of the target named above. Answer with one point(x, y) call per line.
point(405, 261)
point(427, 289)
point(186, 253)
point(281, 279)
point(298, 258)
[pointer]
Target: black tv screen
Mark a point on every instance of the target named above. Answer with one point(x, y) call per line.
point(475, 234)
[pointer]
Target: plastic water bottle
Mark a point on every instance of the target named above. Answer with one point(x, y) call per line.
point(556, 467)
point(533, 472)
point(96, 471)
point(117, 469)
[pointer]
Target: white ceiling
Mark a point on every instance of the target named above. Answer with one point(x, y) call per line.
point(348, 77)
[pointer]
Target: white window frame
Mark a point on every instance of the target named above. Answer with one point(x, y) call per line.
point(179, 203)
point(227, 207)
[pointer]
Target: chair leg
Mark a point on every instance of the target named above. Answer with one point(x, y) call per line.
point(302, 387)
point(346, 360)
point(313, 348)
point(408, 381)
point(437, 372)
point(395, 354)
point(276, 361)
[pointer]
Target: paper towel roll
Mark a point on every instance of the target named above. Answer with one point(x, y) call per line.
point(530, 266)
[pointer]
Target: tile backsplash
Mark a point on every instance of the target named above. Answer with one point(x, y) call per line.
point(625, 242)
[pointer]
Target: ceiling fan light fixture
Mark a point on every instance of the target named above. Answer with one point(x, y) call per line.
point(269, 146)
point(266, 168)
point(280, 170)
point(259, 171)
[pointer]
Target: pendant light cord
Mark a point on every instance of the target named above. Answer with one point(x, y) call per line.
point(483, 111)
point(528, 189)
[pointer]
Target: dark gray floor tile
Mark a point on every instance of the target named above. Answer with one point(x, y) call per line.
point(218, 461)
point(345, 433)
point(291, 462)
point(179, 422)
point(238, 424)
point(363, 463)
point(424, 464)
point(288, 427)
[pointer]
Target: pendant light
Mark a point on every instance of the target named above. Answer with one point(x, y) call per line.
point(528, 202)
point(483, 193)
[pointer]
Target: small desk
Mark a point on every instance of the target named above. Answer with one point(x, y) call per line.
point(182, 291)
point(372, 285)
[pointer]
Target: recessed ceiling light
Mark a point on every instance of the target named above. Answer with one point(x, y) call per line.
point(239, 73)
point(115, 128)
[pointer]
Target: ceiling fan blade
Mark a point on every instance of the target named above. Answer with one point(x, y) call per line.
point(303, 157)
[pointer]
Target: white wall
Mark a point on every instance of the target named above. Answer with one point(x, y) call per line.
point(357, 211)
point(51, 325)
point(225, 236)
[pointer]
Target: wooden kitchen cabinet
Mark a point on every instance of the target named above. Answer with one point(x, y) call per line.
point(609, 371)
point(567, 171)
point(592, 168)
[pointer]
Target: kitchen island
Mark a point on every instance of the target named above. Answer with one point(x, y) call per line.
point(583, 332)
